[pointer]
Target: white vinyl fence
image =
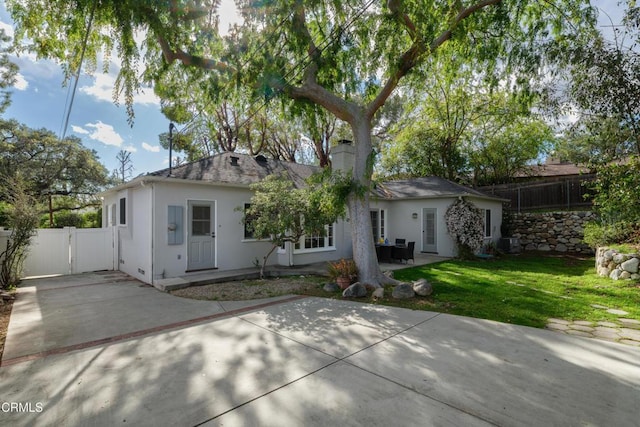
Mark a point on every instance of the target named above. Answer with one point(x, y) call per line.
point(69, 250)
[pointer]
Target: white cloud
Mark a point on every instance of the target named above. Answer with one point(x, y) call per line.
point(152, 148)
point(130, 148)
point(104, 133)
point(102, 90)
point(21, 83)
point(102, 87)
point(80, 130)
point(37, 70)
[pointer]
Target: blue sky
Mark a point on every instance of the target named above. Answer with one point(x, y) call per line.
point(39, 101)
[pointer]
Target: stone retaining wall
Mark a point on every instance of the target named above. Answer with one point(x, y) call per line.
point(552, 231)
point(613, 264)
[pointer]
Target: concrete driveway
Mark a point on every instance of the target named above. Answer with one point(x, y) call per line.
point(103, 349)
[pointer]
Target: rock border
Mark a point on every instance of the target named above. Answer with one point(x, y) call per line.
point(617, 266)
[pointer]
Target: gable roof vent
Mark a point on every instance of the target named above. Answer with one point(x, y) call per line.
point(261, 159)
point(234, 160)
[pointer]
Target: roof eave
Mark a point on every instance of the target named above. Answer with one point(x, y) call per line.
point(142, 180)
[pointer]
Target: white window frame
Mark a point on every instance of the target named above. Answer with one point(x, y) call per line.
point(122, 211)
point(329, 242)
point(381, 226)
point(486, 225)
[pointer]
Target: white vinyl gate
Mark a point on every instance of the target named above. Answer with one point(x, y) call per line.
point(71, 250)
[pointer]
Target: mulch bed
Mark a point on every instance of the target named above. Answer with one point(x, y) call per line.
point(5, 313)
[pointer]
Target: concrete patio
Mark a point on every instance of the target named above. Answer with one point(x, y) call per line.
point(103, 349)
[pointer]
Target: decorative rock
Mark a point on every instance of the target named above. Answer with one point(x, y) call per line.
point(603, 272)
point(422, 287)
point(357, 290)
point(403, 291)
point(544, 247)
point(560, 247)
point(608, 255)
point(620, 258)
point(625, 275)
point(615, 274)
point(631, 265)
point(635, 277)
point(378, 293)
point(331, 287)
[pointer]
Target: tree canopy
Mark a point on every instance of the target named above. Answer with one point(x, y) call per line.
point(57, 171)
point(346, 56)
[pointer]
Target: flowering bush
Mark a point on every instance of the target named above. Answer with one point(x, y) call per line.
point(465, 224)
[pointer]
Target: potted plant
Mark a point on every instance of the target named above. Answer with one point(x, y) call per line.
point(344, 272)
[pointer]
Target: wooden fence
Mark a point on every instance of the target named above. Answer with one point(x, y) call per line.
point(561, 194)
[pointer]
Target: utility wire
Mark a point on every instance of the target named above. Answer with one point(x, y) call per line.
point(77, 76)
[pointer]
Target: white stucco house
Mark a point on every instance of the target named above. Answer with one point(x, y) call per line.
point(175, 223)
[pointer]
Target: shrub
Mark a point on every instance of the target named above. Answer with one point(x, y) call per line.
point(68, 219)
point(598, 234)
point(22, 219)
point(343, 268)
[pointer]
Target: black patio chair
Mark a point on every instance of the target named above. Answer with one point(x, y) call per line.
point(407, 253)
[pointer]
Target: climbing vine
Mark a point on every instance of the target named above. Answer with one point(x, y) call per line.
point(466, 226)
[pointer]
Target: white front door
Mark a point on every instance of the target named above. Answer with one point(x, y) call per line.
point(429, 242)
point(201, 239)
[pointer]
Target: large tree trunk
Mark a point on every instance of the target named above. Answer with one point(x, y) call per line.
point(364, 253)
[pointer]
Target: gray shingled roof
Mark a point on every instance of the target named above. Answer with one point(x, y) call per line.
point(249, 170)
point(427, 187)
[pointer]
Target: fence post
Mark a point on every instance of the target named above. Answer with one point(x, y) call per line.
point(70, 247)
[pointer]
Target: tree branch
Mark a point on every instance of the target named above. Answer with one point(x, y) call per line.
point(189, 60)
point(410, 58)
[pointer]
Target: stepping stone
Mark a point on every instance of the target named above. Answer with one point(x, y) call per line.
point(630, 323)
point(560, 321)
point(632, 334)
point(603, 332)
point(557, 327)
point(630, 342)
point(579, 333)
point(608, 324)
point(599, 306)
point(583, 322)
point(617, 312)
point(581, 328)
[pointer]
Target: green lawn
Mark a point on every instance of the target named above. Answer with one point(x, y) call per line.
point(522, 289)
